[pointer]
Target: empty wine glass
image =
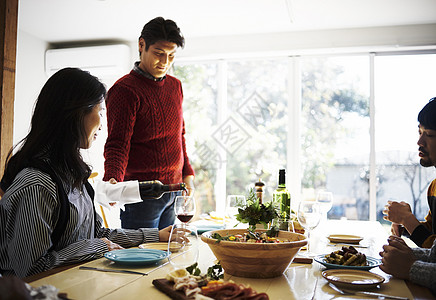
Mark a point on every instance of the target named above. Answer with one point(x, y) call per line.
point(183, 245)
point(309, 215)
point(325, 199)
point(184, 208)
point(232, 204)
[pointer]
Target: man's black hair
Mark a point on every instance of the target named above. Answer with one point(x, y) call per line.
point(427, 115)
point(160, 29)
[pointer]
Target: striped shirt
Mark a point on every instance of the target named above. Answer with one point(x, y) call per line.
point(29, 211)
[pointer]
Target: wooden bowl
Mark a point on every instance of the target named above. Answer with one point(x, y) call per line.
point(254, 260)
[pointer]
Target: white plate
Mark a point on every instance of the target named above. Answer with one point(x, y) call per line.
point(352, 278)
point(345, 238)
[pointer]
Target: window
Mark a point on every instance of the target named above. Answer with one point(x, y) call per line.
point(403, 85)
point(201, 113)
point(335, 132)
point(246, 119)
point(239, 127)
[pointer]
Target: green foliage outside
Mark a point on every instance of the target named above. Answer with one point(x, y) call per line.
point(326, 101)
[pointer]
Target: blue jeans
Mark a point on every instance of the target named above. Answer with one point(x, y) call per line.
point(150, 213)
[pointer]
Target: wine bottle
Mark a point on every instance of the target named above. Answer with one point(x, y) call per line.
point(155, 189)
point(258, 186)
point(282, 198)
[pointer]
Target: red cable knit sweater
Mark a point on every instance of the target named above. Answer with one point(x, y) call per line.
point(146, 130)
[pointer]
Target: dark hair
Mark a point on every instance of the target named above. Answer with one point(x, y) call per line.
point(427, 115)
point(160, 29)
point(57, 127)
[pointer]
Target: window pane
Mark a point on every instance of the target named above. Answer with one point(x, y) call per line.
point(200, 111)
point(335, 132)
point(403, 85)
point(245, 138)
point(257, 101)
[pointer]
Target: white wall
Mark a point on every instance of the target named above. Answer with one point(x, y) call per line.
point(29, 79)
point(392, 38)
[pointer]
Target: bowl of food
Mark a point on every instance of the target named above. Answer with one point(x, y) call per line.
point(255, 255)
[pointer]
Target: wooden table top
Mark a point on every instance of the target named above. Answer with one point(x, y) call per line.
point(299, 281)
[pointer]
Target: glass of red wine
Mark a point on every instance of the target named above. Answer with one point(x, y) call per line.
point(184, 208)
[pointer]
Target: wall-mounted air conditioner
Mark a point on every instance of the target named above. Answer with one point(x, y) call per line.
point(101, 61)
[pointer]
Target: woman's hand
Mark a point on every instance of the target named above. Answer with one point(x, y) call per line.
point(182, 234)
point(164, 234)
point(111, 245)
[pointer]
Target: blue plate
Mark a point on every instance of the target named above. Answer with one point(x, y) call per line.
point(136, 256)
point(205, 228)
point(372, 262)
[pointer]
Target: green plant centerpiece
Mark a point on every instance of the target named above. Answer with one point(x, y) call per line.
point(253, 212)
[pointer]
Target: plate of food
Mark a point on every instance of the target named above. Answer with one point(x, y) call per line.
point(352, 278)
point(182, 284)
point(347, 258)
point(136, 256)
point(345, 238)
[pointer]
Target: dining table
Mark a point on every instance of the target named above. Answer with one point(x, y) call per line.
point(298, 281)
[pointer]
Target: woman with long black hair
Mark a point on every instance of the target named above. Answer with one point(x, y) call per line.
point(47, 215)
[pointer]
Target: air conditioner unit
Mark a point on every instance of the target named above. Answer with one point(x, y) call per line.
point(101, 61)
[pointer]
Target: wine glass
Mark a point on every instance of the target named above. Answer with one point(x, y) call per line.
point(183, 245)
point(325, 199)
point(232, 204)
point(309, 215)
point(184, 208)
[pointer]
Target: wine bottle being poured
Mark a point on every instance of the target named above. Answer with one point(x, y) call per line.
point(155, 189)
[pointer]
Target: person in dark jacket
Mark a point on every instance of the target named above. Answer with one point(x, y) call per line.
point(423, 233)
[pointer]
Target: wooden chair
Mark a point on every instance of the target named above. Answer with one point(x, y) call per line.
point(103, 215)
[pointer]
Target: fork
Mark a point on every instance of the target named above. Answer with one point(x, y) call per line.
point(377, 295)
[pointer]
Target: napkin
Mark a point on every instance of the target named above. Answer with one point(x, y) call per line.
point(120, 193)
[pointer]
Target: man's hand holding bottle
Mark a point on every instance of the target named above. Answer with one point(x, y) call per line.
point(189, 185)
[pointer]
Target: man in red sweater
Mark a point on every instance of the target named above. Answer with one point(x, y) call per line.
point(146, 127)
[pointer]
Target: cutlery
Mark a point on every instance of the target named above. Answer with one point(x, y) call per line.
point(127, 271)
point(348, 292)
point(112, 270)
point(122, 271)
